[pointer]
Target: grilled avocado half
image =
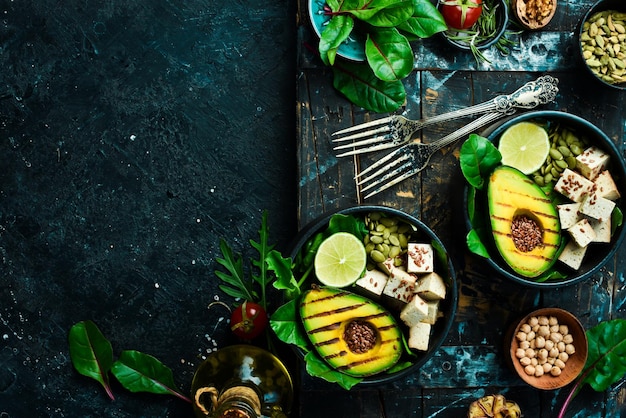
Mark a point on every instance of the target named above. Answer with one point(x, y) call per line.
point(351, 333)
point(512, 195)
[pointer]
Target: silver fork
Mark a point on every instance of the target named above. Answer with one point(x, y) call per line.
point(397, 130)
point(413, 157)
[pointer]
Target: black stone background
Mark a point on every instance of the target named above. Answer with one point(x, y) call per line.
point(133, 136)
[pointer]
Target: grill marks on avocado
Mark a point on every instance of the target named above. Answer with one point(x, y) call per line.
point(352, 334)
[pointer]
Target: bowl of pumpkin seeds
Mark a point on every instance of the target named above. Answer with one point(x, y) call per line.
point(602, 42)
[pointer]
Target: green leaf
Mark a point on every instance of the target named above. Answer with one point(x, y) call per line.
point(139, 372)
point(363, 9)
point(236, 284)
point(263, 248)
point(285, 279)
point(315, 366)
point(392, 15)
point(285, 322)
point(477, 159)
point(91, 353)
point(334, 34)
point(346, 223)
point(389, 54)
point(425, 22)
point(359, 84)
point(475, 245)
point(606, 361)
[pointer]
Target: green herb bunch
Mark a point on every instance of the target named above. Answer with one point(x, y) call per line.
point(388, 27)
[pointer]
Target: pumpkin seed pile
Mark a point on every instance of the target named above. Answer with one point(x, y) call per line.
point(565, 146)
point(387, 238)
point(603, 42)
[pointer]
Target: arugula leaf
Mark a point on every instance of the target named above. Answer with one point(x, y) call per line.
point(263, 248)
point(285, 279)
point(139, 372)
point(361, 86)
point(315, 366)
point(477, 159)
point(91, 353)
point(334, 34)
point(389, 54)
point(236, 284)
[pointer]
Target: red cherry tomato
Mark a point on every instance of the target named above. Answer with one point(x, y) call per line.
point(248, 320)
point(461, 14)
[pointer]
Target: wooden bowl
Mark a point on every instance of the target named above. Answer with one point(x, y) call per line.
point(527, 15)
point(574, 364)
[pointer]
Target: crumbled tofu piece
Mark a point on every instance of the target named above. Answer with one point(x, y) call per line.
point(415, 311)
point(373, 281)
point(400, 285)
point(433, 312)
point(591, 162)
point(569, 214)
point(431, 287)
point(582, 233)
point(605, 186)
point(602, 229)
point(389, 265)
point(572, 255)
point(419, 336)
point(573, 185)
point(420, 258)
point(597, 207)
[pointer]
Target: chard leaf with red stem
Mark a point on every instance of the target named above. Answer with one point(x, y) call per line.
point(91, 353)
point(139, 372)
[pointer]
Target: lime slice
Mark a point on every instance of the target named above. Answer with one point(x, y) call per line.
point(524, 146)
point(340, 260)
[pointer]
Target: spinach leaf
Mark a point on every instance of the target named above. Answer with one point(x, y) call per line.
point(359, 84)
point(389, 54)
point(425, 21)
point(91, 353)
point(346, 223)
point(285, 322)
point(394, 14)
point(315, 366)
point(139, 372)
point(477, 159)
point(475, 244)
point(334, 34)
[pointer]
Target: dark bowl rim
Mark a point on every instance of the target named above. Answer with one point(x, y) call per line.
point(504, 15)
point(598, 6)
point(547, 114)
point(322, 220)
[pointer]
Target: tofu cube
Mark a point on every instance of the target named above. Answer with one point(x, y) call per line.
point(373, 282)
point(400, 285)
point(605, 186)
point(414, 312)
point(569, 214)
point(573, 255)
point(597, 207)
point(573, 185)
point(419, 336)
point(431, 287)
point(602, 229)
point(433, 312)
point(582, 233)
point(420, 258)
point(591, 162)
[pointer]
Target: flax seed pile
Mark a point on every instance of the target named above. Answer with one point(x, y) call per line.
point(525, 233)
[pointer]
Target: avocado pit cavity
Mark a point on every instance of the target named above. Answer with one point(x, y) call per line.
point(360, 336)
point(526, 233)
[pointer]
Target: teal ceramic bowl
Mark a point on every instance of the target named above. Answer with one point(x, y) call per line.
point(598, 254)
point(353, 48)
point(443, 265)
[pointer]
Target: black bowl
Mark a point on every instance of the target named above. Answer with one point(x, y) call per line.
point(502, 17)
point(447, 306)
point(597, 254)
point(602, 5)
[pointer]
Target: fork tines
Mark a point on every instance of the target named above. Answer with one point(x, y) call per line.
point(379, 135)
point(400, 162)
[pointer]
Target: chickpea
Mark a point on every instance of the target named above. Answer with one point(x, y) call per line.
point(525, 328)
point(555, 371)
point(524, 361)
point(520, 353)
point(568, 339)
point(543, 320)
point(569, 349)
point(533, 321)
point(553, 321)
point(524, 345)
point(538, 371)
point(540, 342)
point(564, 329)
point(544, 331)
point(530, 370)
point(521, 336)
point(560, 364)
point(549, 345)
point(563, 356)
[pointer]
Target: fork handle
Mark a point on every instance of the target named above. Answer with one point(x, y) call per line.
point(540, 91)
